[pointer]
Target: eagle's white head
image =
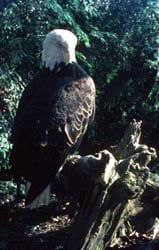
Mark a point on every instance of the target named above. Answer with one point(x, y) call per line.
point(59, 46)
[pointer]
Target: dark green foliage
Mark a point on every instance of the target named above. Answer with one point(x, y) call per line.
point(8, 187)
point(118, 46)
point(129, 71)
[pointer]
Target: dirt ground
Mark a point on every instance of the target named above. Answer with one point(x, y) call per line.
point(46, 228)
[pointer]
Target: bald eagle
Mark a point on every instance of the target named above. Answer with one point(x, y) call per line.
point(54, 112)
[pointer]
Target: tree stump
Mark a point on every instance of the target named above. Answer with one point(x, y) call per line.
point(110, 188)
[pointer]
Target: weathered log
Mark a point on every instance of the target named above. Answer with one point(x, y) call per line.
point(106, 209)
point(109, 187)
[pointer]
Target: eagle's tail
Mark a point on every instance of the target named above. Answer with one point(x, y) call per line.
point(42, 199)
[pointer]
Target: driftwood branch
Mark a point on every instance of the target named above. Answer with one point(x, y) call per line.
point(109, 186)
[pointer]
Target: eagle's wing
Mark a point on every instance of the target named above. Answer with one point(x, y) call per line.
point(78, 104)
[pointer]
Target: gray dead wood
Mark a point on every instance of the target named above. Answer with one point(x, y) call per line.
point(110, 190)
